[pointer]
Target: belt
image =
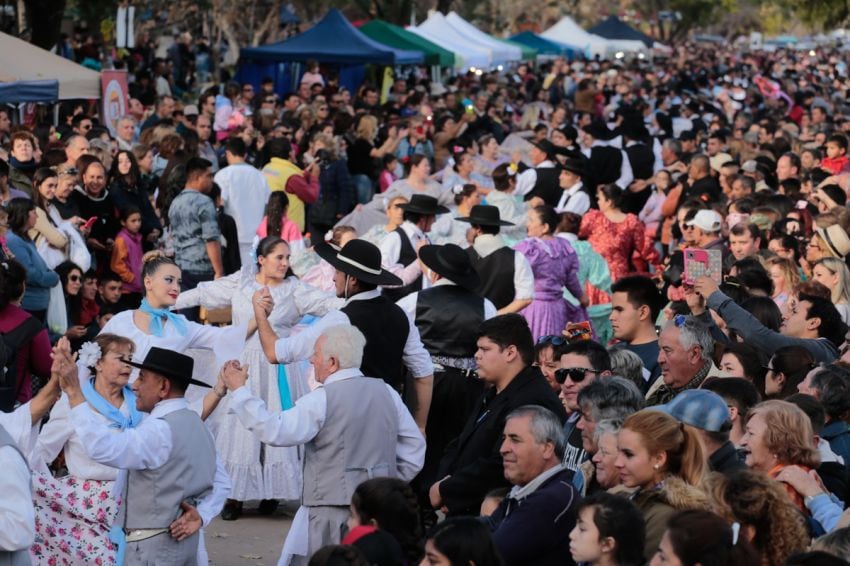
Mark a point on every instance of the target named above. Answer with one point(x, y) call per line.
point(136, 535)
point(470, 373)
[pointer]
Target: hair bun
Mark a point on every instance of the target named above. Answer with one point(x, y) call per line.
point(152, 255)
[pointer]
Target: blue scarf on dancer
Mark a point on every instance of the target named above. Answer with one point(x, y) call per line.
point(117, 420)
point(157, 315)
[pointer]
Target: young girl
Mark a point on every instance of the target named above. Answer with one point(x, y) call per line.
point(609, 532)
point(321, 274)
point(127, 257)
point(387, 176)
point(511, 208)
point(276, 223)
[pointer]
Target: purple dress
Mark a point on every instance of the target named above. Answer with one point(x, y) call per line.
point(555, 265)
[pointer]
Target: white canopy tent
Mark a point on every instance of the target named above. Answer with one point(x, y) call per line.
point(568, 32)
point(439, 31)
point(502, 52)
point(22, 61)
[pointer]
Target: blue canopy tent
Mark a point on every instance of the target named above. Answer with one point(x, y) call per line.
point(613, 27)
point(332, 41)
point(29, 91)
point(545, 46)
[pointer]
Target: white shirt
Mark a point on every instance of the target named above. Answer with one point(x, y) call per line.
point(574, 200)
point(300, 346)
point(17, 514)
point(391, 251)
point(303, 422)
point(485, 244)
point(244, 191)
point(526, 180)
point(408, 303)
point(146, 447)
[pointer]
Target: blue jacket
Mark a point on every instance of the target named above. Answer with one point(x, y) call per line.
point(40, 278)
point(536, 529)
point(837, 433)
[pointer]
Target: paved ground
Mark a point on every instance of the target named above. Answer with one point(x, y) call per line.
point(252, 539)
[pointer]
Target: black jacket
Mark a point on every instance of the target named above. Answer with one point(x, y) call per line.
point(726, 460)
point(473, 459)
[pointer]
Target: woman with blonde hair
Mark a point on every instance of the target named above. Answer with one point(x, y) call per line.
point(768, 519)
point(665, 461)
point(395, 216)
point(833, 273)
point(779, 434)
point(362, 155)
point(785, 276)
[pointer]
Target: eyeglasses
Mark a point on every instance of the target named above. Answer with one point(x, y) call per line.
point(552, 339)
point(576, 375)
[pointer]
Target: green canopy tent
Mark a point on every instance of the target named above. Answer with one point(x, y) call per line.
point(528, 53)
point(399, 38)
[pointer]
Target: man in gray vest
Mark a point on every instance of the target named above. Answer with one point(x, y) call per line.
point(353, 429)
point(169, 459)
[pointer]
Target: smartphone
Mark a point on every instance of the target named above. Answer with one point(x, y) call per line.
point(700, 262)
point(90, 222)
point(470, 109)
point(578, 331)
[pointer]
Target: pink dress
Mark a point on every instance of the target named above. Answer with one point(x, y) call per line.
point(622, 244)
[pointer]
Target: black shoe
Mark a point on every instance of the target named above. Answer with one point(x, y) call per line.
point(267, 506)
point(231, 511)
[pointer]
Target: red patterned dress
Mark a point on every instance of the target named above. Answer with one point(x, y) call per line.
point(622, 244)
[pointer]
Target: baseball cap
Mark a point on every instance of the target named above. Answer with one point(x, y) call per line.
point(190, 110)
point(718, 160)
point(707, 221)
point(699, 408)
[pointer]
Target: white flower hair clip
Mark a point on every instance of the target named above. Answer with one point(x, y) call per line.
point(512, 169)
point(90, 354)
point(329, 235)
point(457, 189)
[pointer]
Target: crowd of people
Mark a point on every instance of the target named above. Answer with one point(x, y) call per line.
point(589, 312)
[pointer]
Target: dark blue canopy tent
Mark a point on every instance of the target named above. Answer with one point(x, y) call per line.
point(545, 46)
point(613, 27)
point(29, 91)
point(332, 41)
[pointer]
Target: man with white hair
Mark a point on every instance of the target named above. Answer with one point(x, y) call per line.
point(125, 131)
point(352, 428)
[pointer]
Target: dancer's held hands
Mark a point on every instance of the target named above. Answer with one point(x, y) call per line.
point(234, 375)
point(64, 366)
point(263, 302)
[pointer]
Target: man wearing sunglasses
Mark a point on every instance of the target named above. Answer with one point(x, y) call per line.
point(581, 364)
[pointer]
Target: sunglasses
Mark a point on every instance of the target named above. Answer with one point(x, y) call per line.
point(269, 101)
point(74, 278)
point(576, 375)
point(552, 339)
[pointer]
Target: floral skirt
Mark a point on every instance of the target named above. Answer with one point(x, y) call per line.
point(72, 521)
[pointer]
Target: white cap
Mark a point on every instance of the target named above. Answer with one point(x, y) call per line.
point(707, 221)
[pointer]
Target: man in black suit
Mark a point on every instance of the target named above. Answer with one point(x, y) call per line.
point(472, 465)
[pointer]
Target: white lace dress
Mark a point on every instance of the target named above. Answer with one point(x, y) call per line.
point(258, 471)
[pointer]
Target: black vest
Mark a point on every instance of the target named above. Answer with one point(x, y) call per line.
point(385, 327)
point(604, 166)
point(547, 186)
point(497, 275)
point(448, 318)
point(406, 256)
point(642, 160)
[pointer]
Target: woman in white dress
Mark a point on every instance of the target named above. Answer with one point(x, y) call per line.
point(258, 471)
point(154, 324)
point(462, 172)
point(447, 230)
point(395, 216)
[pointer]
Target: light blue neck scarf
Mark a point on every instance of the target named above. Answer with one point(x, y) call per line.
point(157, 316)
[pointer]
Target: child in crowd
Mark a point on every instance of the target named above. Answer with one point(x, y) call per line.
point(836, 159)
point(276, 223)
point(229, 237)
point(127, 257)
point(387, 176)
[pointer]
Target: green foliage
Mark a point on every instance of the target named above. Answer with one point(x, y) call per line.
point(820, 14)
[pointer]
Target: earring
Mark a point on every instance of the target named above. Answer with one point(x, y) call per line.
point(655, 466)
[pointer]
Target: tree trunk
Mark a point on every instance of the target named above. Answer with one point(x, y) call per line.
point(45, 20)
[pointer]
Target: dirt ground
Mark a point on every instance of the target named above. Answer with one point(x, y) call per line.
point(252, 539)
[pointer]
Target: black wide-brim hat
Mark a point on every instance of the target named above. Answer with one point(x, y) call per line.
point(484, 215)
point(451, 262)
point(360, 259)
point(574, 165)
point(599, 131)
point(546, 147)
point(170, 364)
point(423, 204)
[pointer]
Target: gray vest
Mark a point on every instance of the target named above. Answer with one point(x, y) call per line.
point(152, 497)
point(357, 442)
point(18, 557)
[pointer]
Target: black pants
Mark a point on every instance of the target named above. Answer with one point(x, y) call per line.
point(190, 280)
point(452, 402)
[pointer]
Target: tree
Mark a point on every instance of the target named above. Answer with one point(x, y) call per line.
point(44, 18)
point(821, 14)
